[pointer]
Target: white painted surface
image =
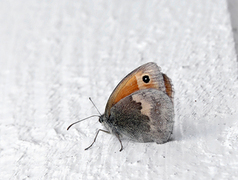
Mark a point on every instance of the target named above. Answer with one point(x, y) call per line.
point(55, 54)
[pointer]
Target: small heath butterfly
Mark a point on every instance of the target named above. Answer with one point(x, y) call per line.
point(140, 107)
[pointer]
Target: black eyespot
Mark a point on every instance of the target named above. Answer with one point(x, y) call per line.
point(146, 78)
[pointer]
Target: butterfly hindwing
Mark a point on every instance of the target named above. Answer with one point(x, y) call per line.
point(145, 116)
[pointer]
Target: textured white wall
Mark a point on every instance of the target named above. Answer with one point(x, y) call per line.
point(55, 54)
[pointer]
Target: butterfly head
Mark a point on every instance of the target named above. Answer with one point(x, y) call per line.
point(102, 118)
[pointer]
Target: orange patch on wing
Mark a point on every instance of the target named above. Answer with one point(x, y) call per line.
point(129, 87)
point(168, 86)
point(123, 89)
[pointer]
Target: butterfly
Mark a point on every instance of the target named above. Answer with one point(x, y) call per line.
point(141, 107)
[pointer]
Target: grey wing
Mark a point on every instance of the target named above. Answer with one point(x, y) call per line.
point(145, 115)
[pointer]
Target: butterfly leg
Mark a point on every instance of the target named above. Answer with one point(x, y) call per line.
point(117, 135)
point(96, 137)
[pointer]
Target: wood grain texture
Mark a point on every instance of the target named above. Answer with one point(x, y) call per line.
point(55, 54)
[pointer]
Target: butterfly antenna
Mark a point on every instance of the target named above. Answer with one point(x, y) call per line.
point(81, 120)
point(94, 105)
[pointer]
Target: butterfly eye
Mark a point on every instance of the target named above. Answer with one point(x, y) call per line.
point(146, 79)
